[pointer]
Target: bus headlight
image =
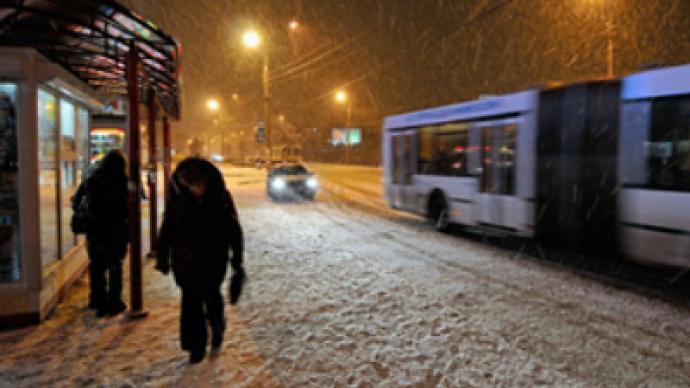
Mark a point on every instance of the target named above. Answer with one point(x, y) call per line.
point(278, 184)
point(311, 182)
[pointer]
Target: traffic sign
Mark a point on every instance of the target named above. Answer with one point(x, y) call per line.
point(260, 133)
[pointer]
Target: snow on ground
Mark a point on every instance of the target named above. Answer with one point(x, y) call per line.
point(340, 296)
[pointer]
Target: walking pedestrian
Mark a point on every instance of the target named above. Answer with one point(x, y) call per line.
point(200, 225)
point(103, 198)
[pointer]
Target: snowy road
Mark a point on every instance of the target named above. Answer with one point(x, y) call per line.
point(339, 295)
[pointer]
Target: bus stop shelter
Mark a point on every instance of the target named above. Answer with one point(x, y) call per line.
point(59, 60)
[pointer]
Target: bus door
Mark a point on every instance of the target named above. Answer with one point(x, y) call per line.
point(403, 168)
point(496, 198)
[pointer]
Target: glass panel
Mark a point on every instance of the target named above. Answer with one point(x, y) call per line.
point(451, 158)
point(9, 203)
point(47, 121)
point(407, 159)
point(395, 162)
point(426, 150)
point(485, 181)
point(634, 134)
point(668, 151)
point(507, 160)
point(83, 144)
point(68, 171)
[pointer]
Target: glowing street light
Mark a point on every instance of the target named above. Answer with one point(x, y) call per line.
point(293, 25)
point(251, 39)
point(340, 96)
point(213, 105)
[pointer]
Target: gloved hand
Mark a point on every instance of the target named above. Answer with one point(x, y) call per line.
point(237, 281)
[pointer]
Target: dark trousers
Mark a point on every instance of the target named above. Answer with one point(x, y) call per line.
point(105, 276)
point(198, 307)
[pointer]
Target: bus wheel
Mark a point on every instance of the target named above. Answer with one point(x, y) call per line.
point(439, 214)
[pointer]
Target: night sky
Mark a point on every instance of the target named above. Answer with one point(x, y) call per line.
point(400, 55)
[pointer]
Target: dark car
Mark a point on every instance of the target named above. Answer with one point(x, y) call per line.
point(291, 181)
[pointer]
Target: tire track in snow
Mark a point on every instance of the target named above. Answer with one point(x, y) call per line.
point(520, 293)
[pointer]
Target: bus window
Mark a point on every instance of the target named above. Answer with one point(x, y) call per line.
point(425, 150)
point(485, 151)
point(395, 144)
point(452, 153)
point(668, 149)
point(507, 160)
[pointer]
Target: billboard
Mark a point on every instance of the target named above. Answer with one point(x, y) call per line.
point(346, 136)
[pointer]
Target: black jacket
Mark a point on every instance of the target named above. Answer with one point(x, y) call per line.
point(107, 209)
point(197, 234)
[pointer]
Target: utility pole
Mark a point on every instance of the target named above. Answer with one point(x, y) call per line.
point(347, 126)
point(609, 49)
point(267, 104)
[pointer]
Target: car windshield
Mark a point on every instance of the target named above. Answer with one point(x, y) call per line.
point(290, 170)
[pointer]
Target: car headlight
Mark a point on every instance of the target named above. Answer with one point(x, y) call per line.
point(278, 183)
point(311, 182)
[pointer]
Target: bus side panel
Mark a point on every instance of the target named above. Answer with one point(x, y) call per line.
point(526, 173)
point(577, 171)
point(458, 191)
point(655, 225)
point(386, 161)
point(654, 221)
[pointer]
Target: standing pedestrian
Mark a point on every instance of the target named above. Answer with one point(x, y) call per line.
point(104, 196)
point(200, 225)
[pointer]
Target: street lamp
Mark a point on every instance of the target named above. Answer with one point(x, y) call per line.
point(293, 25)
point(341, 97)
point(213, 105)
point(252, 40)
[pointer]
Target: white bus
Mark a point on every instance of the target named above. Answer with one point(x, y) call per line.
point(601, 167)
point(457, 164)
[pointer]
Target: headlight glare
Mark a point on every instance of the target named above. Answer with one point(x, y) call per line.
point(278, 183)
point(311, 182)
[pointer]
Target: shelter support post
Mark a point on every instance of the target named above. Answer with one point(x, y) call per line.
point(167, 155)
point(134, 187)
point(152, 175)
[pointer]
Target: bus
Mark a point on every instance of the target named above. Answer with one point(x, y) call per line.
point(599, 167)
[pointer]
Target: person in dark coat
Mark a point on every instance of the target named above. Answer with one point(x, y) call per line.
point(107, 232)
point(200, 225)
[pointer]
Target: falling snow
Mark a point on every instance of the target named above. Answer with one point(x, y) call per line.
point(345, 292)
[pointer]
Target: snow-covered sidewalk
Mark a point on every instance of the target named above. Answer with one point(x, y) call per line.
point(337, 296)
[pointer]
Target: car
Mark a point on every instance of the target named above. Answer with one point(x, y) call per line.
point(291, 181)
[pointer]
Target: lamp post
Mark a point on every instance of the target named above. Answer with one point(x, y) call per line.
point(252, 40)
point(213, 105)
point(342, 97)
